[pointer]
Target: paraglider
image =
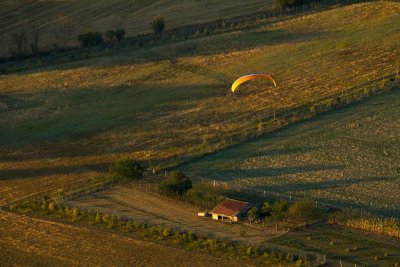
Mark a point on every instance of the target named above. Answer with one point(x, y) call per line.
point(249, 77)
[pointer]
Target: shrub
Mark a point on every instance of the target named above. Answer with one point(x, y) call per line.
point(253, 214)
point(127, 169)
point(119, 34)
point(51, 206)
point(158, 24)
point(178, 184)
point(98, 217)
point(110, 35)
point(291, 3)
point(75, 214)
point(203, 198)
point(279, 209)
point(90, 39)
point(303, 210)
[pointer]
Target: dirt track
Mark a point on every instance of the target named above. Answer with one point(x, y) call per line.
point(138, 204)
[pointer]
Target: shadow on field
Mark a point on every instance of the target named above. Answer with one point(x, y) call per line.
point(7, 174)
point(342, 182)
point(265, 172)
point(235, 40)
point(66, 115)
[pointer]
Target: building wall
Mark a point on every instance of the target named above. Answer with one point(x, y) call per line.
point(225, 218)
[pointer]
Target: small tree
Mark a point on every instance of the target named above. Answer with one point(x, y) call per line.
point(267, 209)
point(178, 184)
point(126, 170)
point(90, 39)
point(110, 35)
point(253, 214)
point(304, 210)
point(119, 34)
point(285, 3)
point(279, 209)
point(158, 24)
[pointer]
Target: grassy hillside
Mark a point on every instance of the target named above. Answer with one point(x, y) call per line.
point(163, 104)
point(349, 157)
point(133, 16)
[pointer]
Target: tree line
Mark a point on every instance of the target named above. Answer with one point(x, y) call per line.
point(26, 43)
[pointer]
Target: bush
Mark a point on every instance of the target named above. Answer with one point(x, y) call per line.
point(303, 210)
point(203, 198)
point(276, 210)
point(90, 39)
point(253, 214)
point(291, 3)
point(126, 170)
point(118, 34)
point(110, 35)
point(178, 184)
point(158, 24)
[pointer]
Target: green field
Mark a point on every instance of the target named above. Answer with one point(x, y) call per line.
point(349, 157)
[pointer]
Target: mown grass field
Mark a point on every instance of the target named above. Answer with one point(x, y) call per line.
point(133, 16)
point(348, 157)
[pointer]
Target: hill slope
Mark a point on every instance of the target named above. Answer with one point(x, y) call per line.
point(167, 103)
point(349, 157)
point(133, 16)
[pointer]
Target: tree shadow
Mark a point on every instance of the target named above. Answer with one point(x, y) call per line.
point(235, 40)
point(24, 173)
point(234, 174)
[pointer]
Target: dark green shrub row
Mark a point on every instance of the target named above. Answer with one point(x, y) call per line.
point(303, 210)
point(177, 185)
point(126, 170)
point(90, 39)
point(117, 34)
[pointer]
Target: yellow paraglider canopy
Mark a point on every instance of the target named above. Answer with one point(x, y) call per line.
point(249, 77)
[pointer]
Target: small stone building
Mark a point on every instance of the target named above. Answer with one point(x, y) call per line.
point(230, 210)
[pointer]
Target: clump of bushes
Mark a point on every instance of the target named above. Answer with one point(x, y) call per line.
point(203, 198)
point(304, 210)
point(117, 34)
point(177, 185)
point(90, 39)
point(126, 170)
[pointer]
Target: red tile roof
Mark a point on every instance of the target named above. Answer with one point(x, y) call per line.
point(229, 207)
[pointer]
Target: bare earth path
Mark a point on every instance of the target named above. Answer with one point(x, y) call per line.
point(132, 202)
point(29, 241)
